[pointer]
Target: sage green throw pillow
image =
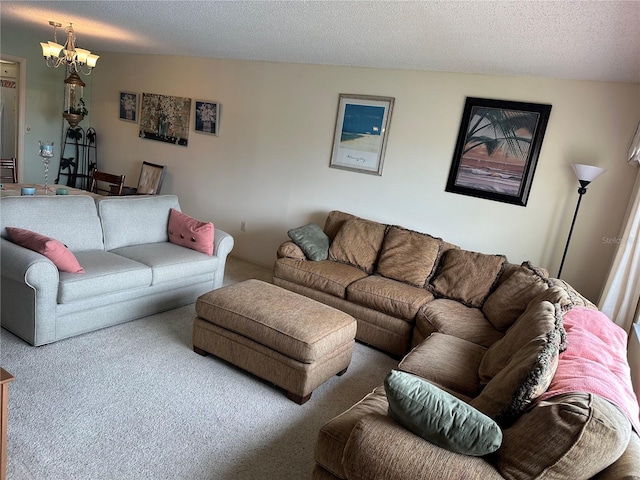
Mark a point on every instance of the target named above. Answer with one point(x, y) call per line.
point(311, 240)
point(439, 417)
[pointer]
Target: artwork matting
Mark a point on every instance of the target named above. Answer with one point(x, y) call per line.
point(497, 149)
point(362, 128)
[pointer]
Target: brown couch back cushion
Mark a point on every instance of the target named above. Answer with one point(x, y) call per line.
point(511, 297)
point(468, 277)
point(565, 437)
point(408, 256)
point(334, 222)
point(527, 370)
point(358, 243)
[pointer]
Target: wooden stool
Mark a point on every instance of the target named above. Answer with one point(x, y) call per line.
point(280, 336)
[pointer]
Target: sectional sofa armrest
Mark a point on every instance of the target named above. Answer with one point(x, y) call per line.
point(289, 249)
point(222, 246)
point(29, 289)
point(378, 447)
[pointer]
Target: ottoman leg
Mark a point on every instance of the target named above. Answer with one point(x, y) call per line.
point(297, 398)
point(200, 351)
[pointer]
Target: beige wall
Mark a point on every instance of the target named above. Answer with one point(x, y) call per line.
point(269, 166)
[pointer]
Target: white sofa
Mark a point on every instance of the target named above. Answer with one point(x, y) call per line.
point(132, 270)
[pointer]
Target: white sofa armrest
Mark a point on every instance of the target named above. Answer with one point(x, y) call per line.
point(222, 246)
point(29, 289)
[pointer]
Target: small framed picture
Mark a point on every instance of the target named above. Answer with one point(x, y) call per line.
point(207, 117)
point(497, 150)
point(129, 106)
point(362, 128)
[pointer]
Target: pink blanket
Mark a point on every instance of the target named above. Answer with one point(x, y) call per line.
point(595, 361)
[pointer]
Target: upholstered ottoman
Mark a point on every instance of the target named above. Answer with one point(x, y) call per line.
point(280, 336)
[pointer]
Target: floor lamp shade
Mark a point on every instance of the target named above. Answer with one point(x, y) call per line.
point(586, 174)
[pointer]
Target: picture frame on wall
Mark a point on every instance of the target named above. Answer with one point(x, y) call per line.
point(165, 118)
point(497, 149)
point(207, 117)
point(129, 107)
point(362, 129)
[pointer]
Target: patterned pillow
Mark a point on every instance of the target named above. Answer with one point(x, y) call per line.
point(408, 256)
point(358, 243)
point(467, 276)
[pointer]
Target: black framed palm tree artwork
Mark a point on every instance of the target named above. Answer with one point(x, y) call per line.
point(497, 149)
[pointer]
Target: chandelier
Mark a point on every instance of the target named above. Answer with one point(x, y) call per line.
point(70, 56)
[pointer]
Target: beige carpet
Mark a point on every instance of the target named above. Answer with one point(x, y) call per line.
point(134, 401)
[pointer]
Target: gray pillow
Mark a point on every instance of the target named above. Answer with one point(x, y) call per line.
point(311, 240)
point(439, 417)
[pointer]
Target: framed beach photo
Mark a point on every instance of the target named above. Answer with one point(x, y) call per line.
point(129, 106)
point(362, 128)
point(207, 117)
point(497, 149)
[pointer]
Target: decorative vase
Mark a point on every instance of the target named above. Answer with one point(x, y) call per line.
point(46, 152)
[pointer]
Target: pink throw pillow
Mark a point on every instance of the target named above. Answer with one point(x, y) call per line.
point(53, 249)
point(191, 233)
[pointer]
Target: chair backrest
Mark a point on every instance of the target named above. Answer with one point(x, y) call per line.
point(8, 164)
point(114, 183)
point(151, 176)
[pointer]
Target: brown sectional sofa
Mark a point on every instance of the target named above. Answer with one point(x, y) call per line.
point(486, 333)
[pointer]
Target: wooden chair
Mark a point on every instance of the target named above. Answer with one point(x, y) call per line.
point(8, 164)
point(150, 181)
point(114, 183)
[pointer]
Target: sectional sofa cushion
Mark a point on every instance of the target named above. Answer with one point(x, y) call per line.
point(439, 417)
point(453, 318)
point(51, 248)
point(468, 277)
point(408, 256)
point(526, 375)
point(564, 437)
point(358, 243)
point(389, 296)
point(334, 222)
point(325, 276)
point(447, 361)
point(512, 296)
point(311, 240)
point(536, 324)
point(188, 232)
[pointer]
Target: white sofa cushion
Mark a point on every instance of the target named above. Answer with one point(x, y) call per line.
point(134, 220)
point(170, 262)
point(70, 219)
point(104, 273)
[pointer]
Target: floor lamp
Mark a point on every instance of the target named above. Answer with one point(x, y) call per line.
point(586, 174)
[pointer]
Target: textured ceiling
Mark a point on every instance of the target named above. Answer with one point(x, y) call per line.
point(587, 40)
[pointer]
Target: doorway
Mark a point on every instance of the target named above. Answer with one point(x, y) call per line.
point(12, 108)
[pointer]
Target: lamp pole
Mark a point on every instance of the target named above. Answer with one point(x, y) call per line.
point(581, 191)
point(586, 174)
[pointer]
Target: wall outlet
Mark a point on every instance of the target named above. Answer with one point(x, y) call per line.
point(243, 226)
